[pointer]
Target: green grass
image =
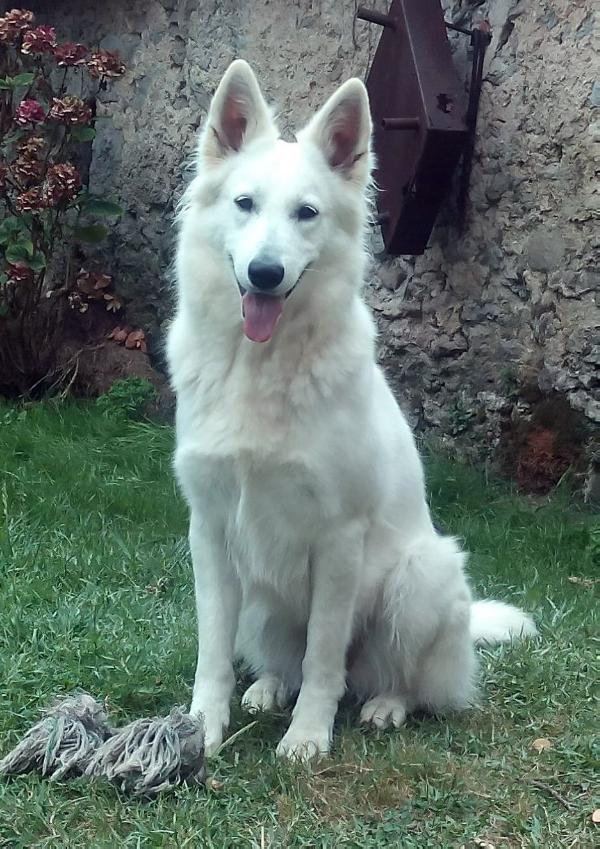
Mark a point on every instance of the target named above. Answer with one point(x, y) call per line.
point(96, 592)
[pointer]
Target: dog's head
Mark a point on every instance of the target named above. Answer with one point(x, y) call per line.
point(276, 210)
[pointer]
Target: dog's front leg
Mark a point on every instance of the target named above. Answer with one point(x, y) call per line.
point(218, 605)
point(335, 568)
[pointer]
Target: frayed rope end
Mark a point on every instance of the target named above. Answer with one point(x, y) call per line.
point(62, 742)
point(148, 756)
point(144, 758)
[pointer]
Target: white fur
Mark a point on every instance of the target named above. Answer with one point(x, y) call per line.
point(496, 622)
point(315, 558)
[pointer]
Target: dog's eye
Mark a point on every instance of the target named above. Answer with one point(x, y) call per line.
point(245, 203)
point(306, 212)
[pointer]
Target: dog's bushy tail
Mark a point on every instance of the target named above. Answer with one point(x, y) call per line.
point(496, 622)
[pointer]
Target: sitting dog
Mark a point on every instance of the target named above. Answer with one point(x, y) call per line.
point(315, 557)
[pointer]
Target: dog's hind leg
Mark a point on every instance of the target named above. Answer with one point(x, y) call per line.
point(271, 643)
point(377, 676)
point(384, 710)
point(266, 693)
point(416, 650)
point(446, 675)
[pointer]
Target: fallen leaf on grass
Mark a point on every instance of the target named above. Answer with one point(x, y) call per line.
point(541, 744)
point(113, 303)
point(92, 284)
point(159, 587)
point(136, 339)
point(214, 784)
point(119, 334)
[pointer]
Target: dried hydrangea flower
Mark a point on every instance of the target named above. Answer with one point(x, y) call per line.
point(70, 54)
point(7, 33)
point(31, 145)
point(70, 110)
point(62, 184)
point(30, 201)
point(39, 40)
point(14, 23)
point(18, 272)
point(105, 64)
point(27, 170)
point(21, 19)
point(29, 112)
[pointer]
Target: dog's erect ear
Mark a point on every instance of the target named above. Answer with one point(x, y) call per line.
point(238, 114)
point(342, 131)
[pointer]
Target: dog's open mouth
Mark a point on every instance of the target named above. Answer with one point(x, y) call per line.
point(260, 311)
point(261, 314)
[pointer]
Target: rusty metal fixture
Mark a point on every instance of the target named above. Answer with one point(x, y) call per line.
point(375, 17)
point(400, 123)
point(480, 40)
point(422, 123)
point(454, 28)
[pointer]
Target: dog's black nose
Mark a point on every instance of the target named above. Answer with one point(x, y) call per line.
point(265, 275)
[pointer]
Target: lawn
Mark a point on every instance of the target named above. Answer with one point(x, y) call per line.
point(96, 592)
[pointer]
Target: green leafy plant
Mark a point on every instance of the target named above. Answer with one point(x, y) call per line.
point(46, 212)
point(460, 417)
point(594, 545)
point(128, 396)
point(509, 381)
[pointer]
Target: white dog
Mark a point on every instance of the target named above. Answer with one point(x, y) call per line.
point(315, 558)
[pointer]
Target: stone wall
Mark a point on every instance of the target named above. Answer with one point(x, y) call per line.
point(482, 328)
point(514, 304)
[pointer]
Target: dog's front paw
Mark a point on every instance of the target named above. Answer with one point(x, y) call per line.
point(216, 722)
point(304, 744)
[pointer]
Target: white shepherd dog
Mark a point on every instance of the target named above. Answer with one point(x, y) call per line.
point(315, 557)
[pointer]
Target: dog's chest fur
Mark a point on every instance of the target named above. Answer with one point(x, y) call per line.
point(247, 464)
point(259, 454)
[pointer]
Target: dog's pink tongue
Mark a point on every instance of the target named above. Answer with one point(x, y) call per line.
point(261, 314)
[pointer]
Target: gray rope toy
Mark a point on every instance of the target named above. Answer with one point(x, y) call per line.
point(144, 758)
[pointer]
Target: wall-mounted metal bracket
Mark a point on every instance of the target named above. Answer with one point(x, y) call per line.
point(422, 123)
point(481, 37)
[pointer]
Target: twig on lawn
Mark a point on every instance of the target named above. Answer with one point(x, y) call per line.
point(67, 388)
point(554, 793)
point(353, 767)
point(233, 737)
